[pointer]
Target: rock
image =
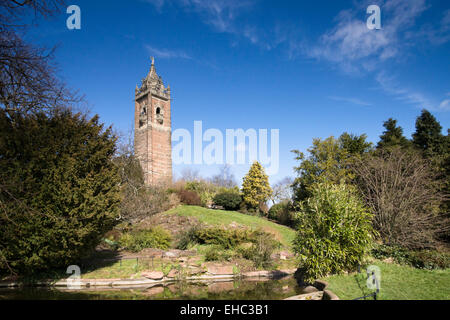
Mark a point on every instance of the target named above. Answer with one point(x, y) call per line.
point(153, 275)
point(195, 271)
point(172, 273)
point(283, 255)
point(286, 255)
point(320, 285)
point(328, 295)
point(256, 274)
point(389, 260)
point(310, 289)
point(308, 296)
point(220, 270)
point(170, 254)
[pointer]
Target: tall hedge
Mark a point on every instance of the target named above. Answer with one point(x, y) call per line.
point(59, 190)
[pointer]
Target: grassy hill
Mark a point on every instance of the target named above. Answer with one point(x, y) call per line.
point(220, 217)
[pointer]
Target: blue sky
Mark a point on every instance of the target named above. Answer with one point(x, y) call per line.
point(308, 68)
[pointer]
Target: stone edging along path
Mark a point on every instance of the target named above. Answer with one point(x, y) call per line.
point(117, 283)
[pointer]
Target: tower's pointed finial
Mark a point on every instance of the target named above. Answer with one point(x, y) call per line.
point(153, 60)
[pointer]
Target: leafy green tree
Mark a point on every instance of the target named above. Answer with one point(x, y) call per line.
point(256, 189)
point(328, 161)
point(392, 136)
point(325, 163)
point(59, 189)
point(334, 231)
point(354, 144)
point(428, 136)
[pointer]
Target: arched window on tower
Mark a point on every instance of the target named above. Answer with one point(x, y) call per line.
point(159, 115)
point(142, 115)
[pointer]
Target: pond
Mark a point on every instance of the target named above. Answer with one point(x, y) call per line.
point(223, 290)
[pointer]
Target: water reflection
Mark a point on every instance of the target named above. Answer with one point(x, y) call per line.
point(223, 290)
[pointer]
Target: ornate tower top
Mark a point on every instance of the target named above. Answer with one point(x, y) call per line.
point(153, 84)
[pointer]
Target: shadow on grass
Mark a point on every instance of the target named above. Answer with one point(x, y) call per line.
point(99, 260)
point(96, 260)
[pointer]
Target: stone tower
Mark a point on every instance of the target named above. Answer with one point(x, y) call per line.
point(152, 128)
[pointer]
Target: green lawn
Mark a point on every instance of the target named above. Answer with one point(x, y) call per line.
point(397, 283)
point(128, 268)
point(220, 217)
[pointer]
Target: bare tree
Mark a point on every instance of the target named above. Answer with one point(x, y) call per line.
point(400, 188)
point(12, 11)
point(225, 178)
point(282, 190)
point(139, 201)
point(189, 174)
point(27, 73)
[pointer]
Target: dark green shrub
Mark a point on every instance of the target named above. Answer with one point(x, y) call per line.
point(422, 259)
point(219, 236)
point(275, 210)
point(136, 241)
point(59, 189)
point(187, 238)
point(282, 213)
point(223, 237)
point(430, 259)
point(399, 254)
point(228, 200)
point(334, 231)
point(212, 253)
point(261, 250)
point(217, 253)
